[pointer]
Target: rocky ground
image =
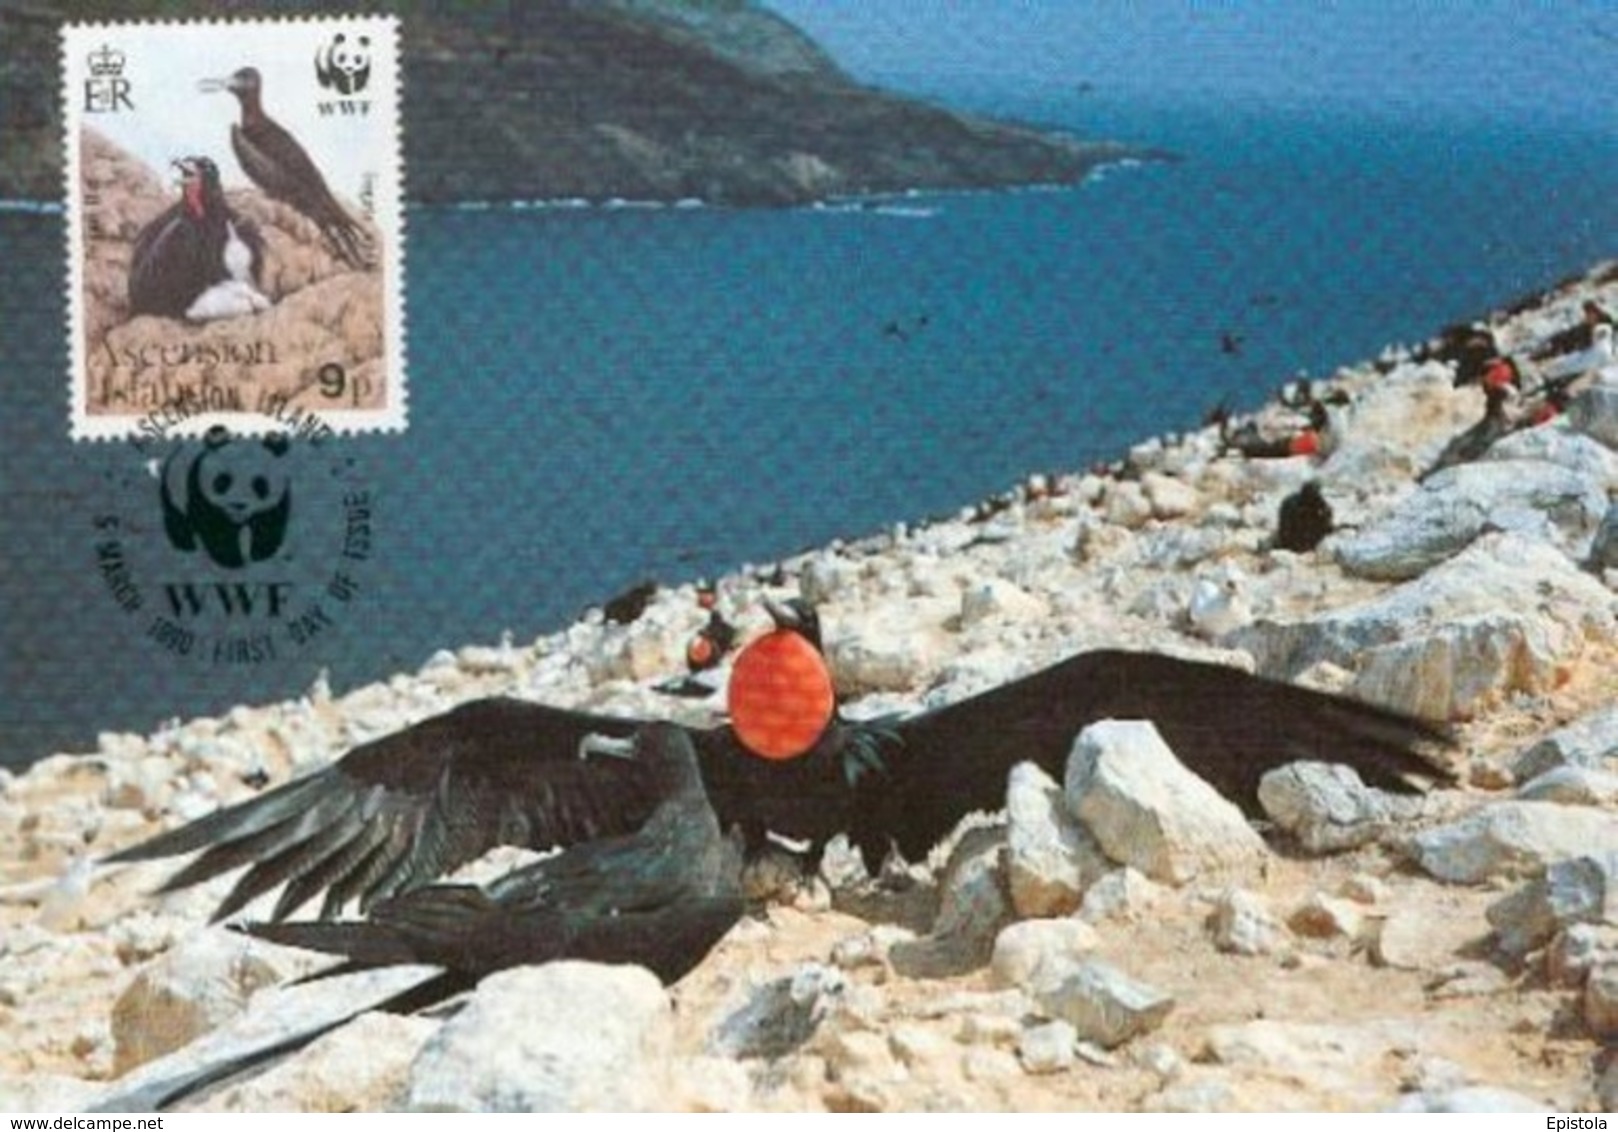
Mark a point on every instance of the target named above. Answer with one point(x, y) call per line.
point(1456, 952)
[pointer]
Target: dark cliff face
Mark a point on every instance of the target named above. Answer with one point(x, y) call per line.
point(637, 99)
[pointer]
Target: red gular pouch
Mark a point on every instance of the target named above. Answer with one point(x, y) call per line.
point(1305, 443)
point(781, 695)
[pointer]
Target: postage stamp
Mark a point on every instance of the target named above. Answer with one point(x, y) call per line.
point(234, 208)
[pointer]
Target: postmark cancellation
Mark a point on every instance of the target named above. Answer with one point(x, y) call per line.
point(234, 215)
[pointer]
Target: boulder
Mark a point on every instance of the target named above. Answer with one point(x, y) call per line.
point(361, 1067)
point(277, 1018)
point(974, 906)
point(1047, 1047)
point(779, 1016)
point(1449, 511)
point(187, 992)
point(1578, 890)
point(1242, 924)
point(562, 1037)
point(1146, 810)
point(1573, 786)
point(1505, 615)
point(1594, 413)
point(1050, 858)
point(1103, 1004)
point(1028, 951)
point(1327, 808)
point(1511, 839)
point(1590, 741)
point(1589, 459)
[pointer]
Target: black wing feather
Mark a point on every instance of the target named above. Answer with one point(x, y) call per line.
point(419, 803)
point(1228, 726)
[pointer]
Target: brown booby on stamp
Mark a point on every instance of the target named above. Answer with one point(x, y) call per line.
point(234, 209)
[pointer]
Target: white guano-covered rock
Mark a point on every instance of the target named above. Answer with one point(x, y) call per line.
point(997, 599)
point(1103, 1004)
point(1595, 414)
point(361, 1067)
point(1505, 615)
point(1441, 518)
point(1511, 839)
point(1030, 952)
point(1587, 458)
point(1169, 497)
point(1050, 857)
point(889, 652)
point(1327, 807)
point(563, 1037)
point(1047, 1047)
point(186, 992)
point(1243, 925)
point(276, 1017)
point(1579, 890)
point(1590, 741)
point(1146, 810)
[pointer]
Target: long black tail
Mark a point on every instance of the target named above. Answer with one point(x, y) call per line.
point(158, 1095)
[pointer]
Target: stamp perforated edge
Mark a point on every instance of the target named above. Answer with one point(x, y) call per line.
point(390, 215)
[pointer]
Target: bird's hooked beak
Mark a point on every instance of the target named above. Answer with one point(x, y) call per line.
point(785, 615)
point(234, 83)
point(592, 745)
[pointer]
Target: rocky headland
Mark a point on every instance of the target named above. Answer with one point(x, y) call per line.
point(1452, 952)
point(646, 100)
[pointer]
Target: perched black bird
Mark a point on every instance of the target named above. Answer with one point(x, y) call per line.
point(704, 652)
point(1466, 346)
point(626, 608)
point(1304, 519)
point(660, 896)
point(1573, 339)
point(1312, 440)
point(197, 247)
point(396, 813)
point(275, 162)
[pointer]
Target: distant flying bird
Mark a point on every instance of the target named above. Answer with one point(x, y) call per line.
point(903, 330)
point(198, 259)
point(275, 162)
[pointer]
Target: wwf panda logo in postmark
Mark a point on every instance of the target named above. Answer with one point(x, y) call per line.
point(228, 498)
point(237, 548)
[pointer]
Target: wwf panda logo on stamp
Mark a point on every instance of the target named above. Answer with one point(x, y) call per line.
point(234, 207)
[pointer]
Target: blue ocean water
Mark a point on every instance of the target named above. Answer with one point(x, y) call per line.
point(603, 395)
